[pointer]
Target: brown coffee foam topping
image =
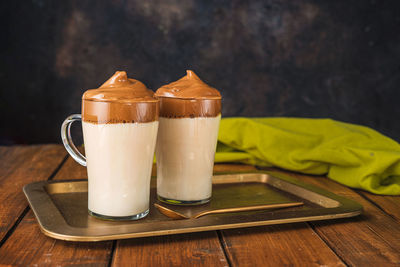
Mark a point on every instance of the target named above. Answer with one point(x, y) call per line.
point(189, 97)
point(120, 100)
point(189, 108)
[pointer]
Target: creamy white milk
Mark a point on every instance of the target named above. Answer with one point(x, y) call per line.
point(119, 162)
point(185, 157)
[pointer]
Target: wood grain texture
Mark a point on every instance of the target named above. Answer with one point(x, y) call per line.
point(372, 239)
point(278, 245)
point(389, 204)
point(71, 170)
point(197, 249)
point(28, 246)
point(19, 166)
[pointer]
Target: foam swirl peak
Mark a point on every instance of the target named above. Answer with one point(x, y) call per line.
point(188, 87)
point(120, 88)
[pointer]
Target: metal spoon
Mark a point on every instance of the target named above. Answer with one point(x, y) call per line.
point(179, 216)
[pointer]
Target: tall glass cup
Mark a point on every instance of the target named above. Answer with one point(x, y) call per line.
point(185, 149)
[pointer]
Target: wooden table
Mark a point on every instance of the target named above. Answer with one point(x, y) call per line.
point(372, 239)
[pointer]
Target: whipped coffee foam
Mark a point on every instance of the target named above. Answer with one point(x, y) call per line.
point(188, 87)
point(188, 97)
point(119, 100)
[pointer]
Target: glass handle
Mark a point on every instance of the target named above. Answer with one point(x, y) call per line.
point(67, 140)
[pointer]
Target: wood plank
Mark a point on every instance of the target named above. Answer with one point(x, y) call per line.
point(28, 246)
point(71, 170)
point(13, 157)
point(19, 166)
point(198, 249)
point(372, 239)
point(389, 204)
point(278, 245)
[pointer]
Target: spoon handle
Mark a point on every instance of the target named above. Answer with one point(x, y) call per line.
point(250, 208)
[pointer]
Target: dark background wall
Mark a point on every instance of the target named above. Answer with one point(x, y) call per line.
point(337, 59)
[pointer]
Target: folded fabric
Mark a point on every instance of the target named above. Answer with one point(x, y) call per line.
point(356, 156)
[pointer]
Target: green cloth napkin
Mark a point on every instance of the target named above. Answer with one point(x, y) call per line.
point(353, 155)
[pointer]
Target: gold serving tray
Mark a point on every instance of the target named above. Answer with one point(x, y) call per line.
point(60, 208)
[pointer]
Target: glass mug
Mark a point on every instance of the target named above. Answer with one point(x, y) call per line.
point(120, 124)
point(119, 163)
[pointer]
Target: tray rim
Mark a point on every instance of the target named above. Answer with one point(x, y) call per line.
point(350, 208)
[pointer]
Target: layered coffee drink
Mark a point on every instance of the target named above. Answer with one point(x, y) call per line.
point(120, 123)
point(190, 112)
